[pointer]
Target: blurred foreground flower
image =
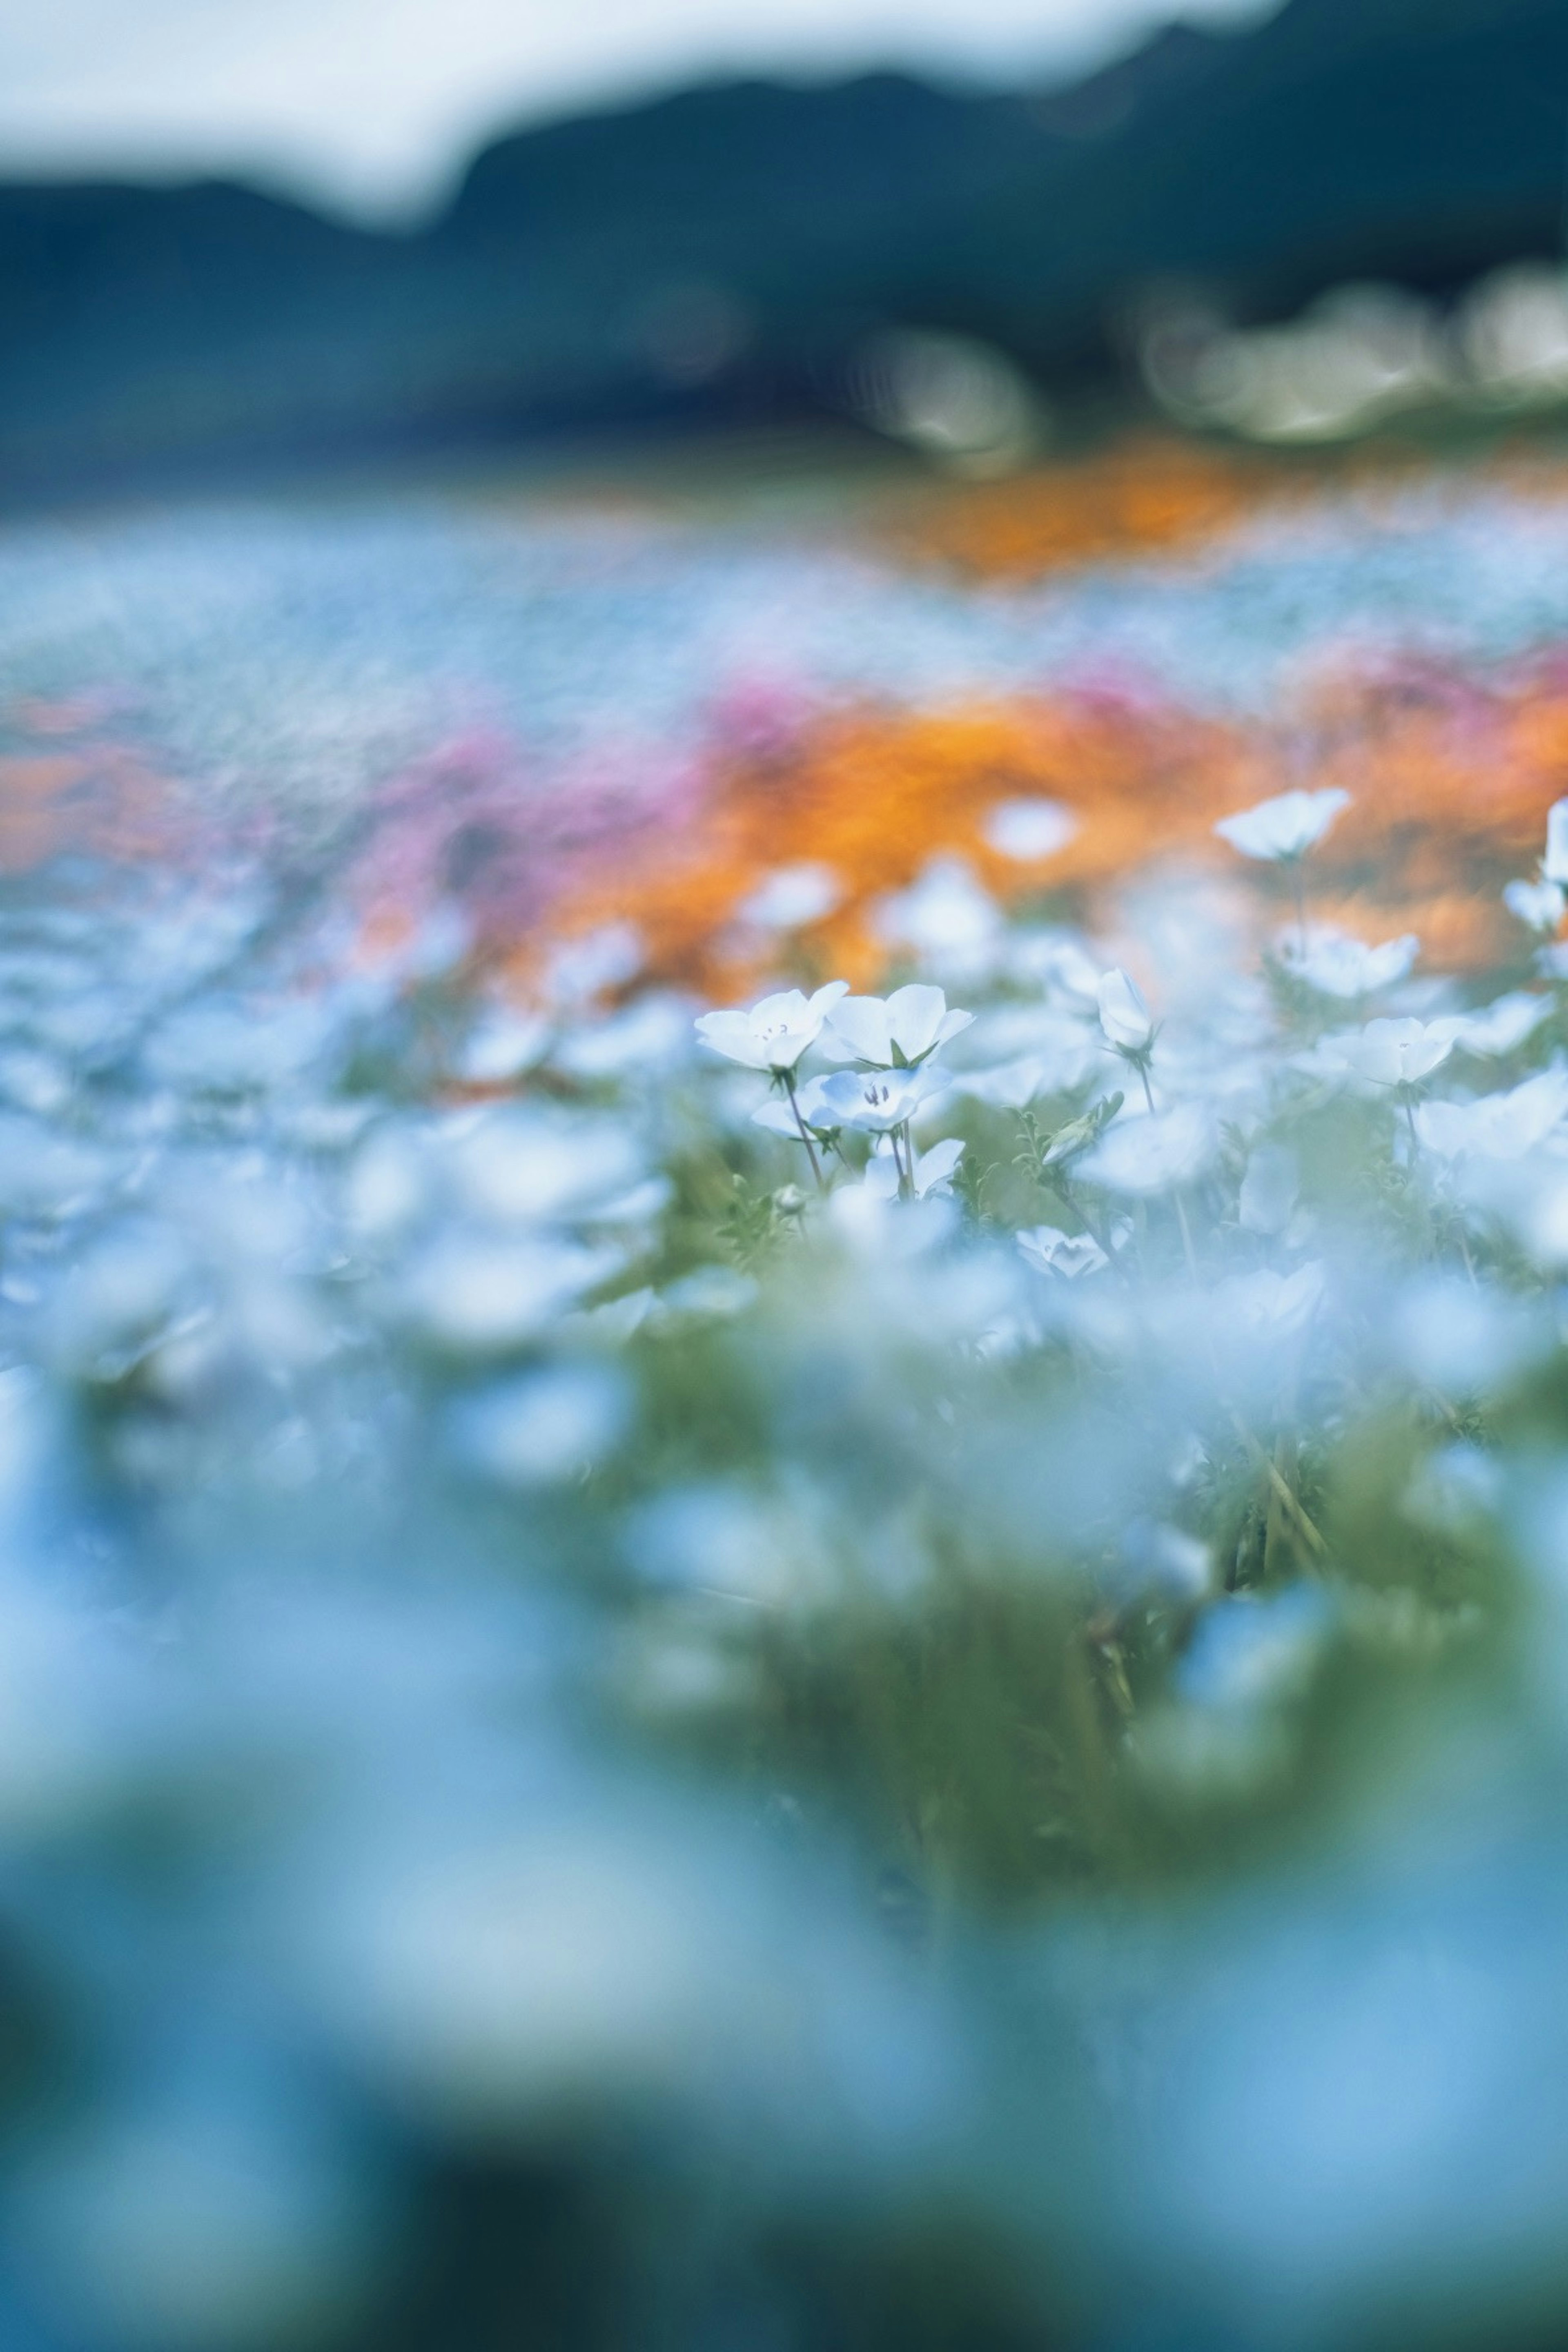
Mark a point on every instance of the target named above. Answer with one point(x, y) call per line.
point(1538, 905)
point(1277, 830)
point(1054, 1252)
point(1128, 1023)
point(1554, 864)
point(929, 1171)
point(1395, 1053)
point(792, 897)
point(1334, 964)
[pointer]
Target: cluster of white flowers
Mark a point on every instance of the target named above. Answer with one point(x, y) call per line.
point(894, 1041)
point(1214, 1095)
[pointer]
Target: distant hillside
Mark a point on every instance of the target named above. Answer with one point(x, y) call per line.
point(720, 252)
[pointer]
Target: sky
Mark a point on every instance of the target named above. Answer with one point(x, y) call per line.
point(371, 107)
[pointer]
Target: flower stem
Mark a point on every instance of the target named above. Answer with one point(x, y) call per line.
point(1143, 1067)
point(1286, 1494)
point(1299, 878)
point(788, 1077)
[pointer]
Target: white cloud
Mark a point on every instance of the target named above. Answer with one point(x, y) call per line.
point(373, 103)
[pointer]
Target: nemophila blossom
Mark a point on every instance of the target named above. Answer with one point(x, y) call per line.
point(776, 1031)
point(1057, 963)
point(792, 897)
point(930, 1172)
point(544, 1426)
point(874, 1101)
point(1495, 1127)
point(1539, 905)
point(1128, 1023)
point(1269, 1302)
point(1248, 1653)
point(1334, 964)
point(1460, 1339)
point(1162, 1561)
point(1028, 830)
point(945, 917)
point(523, 1162)
point(1062, 1043)
point(502, 1045)
point(1270, 1189)
point(897, 1032)
point(1280, 830)
point(1151, 1154)
point(1012, 1085)
point(1458, 1487)
point(643, 1040)
point(1394, 1052)
point(479, 1298)
point(1050, 1251)
point(1554, 864)
point(1502, 1026)
point(594, 964)
point(717, 1291)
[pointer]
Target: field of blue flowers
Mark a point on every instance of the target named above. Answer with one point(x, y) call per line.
point(872, 1668)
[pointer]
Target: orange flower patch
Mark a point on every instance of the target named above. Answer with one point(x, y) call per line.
point(1157, 493)
point(1148, 493)
point(103, 801)
point(1451, 784)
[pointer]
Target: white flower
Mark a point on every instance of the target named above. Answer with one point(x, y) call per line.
point(775, 1033)
point(792, 897)
point(1269, 1302)
point(591, 966)
point(1554, 864)
point(1126, 1020)
point(717, 1290)
point(542, 1426)
point(1028, 830)
point(945, 916)
point(1498, 1127)
point(1539, 905)
point(1055, 962)
point(1149, 1155)
point(502, 1045)
point(932, 1172)
point(895, 1032)
point(1334, 964)
point(1051, 1251)
point(519, 1164)
point(1270, 1189)
point(1395, 1052)
point(647, 1038)
point(876, 1101)
point(1017, 1051)
point(1502, 1026)
point(479, 1297)
point(1282, 828)
point(1010, 1085)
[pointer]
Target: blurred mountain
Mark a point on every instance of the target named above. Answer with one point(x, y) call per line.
point(725, 252)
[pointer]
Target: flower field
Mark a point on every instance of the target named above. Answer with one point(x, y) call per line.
point(783, 1419)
